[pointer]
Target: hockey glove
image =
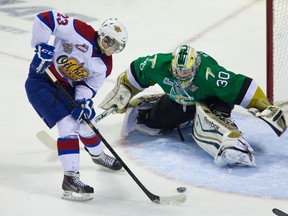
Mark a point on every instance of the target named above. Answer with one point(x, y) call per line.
point(42, 58)
point(84, 110)
point(273, 116)
point(120, 94)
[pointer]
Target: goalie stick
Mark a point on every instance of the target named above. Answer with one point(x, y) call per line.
point(278, 212)
point(166, 200)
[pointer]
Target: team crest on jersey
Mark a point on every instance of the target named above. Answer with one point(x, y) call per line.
point(71, 68)
point(68, 47)
point(82, 47)
point(167, 81)
point(193, 88)
point(181, 99)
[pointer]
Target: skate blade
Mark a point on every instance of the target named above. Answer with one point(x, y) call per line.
point(69, 195)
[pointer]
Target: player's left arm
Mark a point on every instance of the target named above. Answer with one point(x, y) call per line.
point(241, 90)
point(255, 100)
point(54, 23)
point(45, 24)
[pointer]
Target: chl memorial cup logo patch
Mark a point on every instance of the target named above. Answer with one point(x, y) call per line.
point(71, 68)
point(68, 47)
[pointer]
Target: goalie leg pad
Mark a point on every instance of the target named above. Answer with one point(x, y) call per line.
point(137, 105)
point(151, 114)
point(235, 152)
point(220, 139)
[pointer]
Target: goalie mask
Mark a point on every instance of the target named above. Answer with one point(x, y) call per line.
point(113, 36)
point(185, 64)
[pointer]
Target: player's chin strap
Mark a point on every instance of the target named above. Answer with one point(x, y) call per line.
point(273, 116)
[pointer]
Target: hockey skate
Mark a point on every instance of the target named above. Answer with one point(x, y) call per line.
point(105, 160)
point(74, 189)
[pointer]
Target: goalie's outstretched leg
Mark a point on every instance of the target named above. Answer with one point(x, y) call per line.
point(137, 110)
point(221, 139)
point(155, 114)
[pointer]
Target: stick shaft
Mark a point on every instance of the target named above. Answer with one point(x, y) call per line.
point(151, 196)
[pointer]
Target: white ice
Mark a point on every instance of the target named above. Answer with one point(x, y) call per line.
point(233, 32)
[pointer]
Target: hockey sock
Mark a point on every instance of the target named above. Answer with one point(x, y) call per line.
point(93, 144)
point(68, 152)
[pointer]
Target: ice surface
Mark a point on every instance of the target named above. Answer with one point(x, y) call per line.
point(187, 162)
point(233, 32)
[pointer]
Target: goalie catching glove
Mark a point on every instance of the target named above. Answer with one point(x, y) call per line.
point(120, 95)
point(273, 116)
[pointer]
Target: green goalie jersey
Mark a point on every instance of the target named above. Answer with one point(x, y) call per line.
point(211, 80)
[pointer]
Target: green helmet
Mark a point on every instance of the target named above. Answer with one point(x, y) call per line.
point(185, 63)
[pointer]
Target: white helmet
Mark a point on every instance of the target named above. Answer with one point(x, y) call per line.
point(113, 33)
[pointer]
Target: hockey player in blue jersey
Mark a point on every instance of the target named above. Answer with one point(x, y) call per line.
point(81, 59)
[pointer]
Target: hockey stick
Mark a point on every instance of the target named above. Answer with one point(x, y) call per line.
point(104, 114)
point(47, 140)
point(175, 199)
point(50, 143)
point(278, 212)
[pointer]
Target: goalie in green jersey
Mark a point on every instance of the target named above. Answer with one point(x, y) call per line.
point(197, 91)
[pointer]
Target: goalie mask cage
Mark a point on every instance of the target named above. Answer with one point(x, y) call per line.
point(277, 50)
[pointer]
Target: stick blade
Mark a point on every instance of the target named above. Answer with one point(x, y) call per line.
point(46, 139)
point(278, 212)
point(172, 200)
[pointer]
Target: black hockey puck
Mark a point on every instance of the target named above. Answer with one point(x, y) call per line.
point(181, 189)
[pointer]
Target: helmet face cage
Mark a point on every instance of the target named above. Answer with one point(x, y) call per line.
point(113, 35)
point(111, 44)
point(185, 64)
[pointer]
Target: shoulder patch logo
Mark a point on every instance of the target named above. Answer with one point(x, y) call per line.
point(167, 81)
point(82, 47)
point(209, 72)
point(194, 88)
point(68, 48)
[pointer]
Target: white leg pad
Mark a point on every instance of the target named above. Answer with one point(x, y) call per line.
point(130, 121)
point(235, 152)
point(221, 140)
point(130, 124)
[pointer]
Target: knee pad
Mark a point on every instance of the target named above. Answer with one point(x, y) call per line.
point(68, 127)
point(85, 130)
